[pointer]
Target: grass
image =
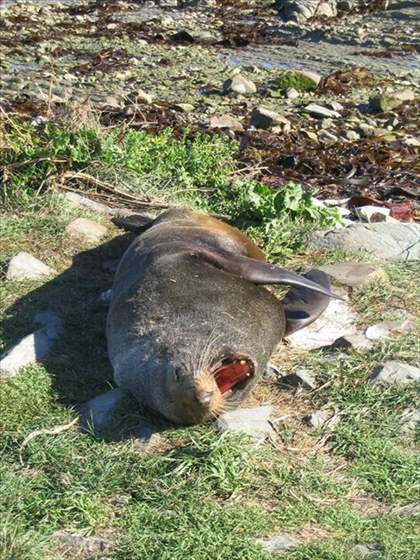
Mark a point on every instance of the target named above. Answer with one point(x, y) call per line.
point(200, 495)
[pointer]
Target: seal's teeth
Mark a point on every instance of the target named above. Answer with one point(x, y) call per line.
point(242, 362)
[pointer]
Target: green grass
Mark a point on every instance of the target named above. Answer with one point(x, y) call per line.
point(200, 495)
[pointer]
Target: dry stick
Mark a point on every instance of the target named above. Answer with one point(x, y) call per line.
point(50, 432)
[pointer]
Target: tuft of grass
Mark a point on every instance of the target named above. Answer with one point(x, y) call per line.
point(295, 80)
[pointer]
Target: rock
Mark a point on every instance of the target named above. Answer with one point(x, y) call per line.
point(318, 418)
point(301, 378)
point(24, 266)
point(279, 543)
point(83, 202)
point(385, 330)
point(410, 419)
point(374, 214)
point(34, 347)
point(301, 10)
point(335, 105)
point(75, 545)
point(353, 274)
point(112, 102)
point(394, 373)
point(239, 84)
point(356, 341)
point(352, 135)
point(146, 437)
point(409, 509)
point(337, 321)
point(226, 121)
point(272, 372)
point(385, 102)
point(184, 107)
point(252, 421)
point(312, 76)
point(320, 112)
point(100, 412)
point(389, 241)
point(370, 551)
point(143, 97)
point(86, 230)
point(291, 93)
point(327, 136)
point(264, 118)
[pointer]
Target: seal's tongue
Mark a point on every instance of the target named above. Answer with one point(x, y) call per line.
point(228, 375)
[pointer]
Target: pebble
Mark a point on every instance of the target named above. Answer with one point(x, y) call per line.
point(226, 121)
point(394, 373)
point(374, 214)
point(368, 551)
point(352, 135)
point(86, 230)
point(318, 418)
point(291, 93)
point(320, 112)
point(408, 509)
point(78, 544)
point(24, 266)
point(265, 118)
point(255, 422)
point(301, 378)
point(143, 97)
point(385, 330)
point(184, 107)
point(356, 341)
point(353, 274)
point(278, 543)
point(99, 413)
point(80, 201)
point(239, 84)
point(34, 347)
point(382, 103)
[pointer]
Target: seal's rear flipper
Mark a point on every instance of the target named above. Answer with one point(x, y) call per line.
point(302, 306)
point(138, 223)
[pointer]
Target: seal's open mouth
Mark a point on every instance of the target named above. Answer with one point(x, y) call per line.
point(233, 374)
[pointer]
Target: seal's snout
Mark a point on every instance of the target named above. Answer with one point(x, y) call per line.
point(205, 398)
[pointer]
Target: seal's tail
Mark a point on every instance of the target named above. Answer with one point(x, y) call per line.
point(302, 305)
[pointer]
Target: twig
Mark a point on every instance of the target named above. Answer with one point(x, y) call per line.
point(50, 432)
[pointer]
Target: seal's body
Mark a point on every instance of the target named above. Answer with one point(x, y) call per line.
point(189, 329)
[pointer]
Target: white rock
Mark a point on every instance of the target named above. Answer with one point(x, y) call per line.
point(26, 267)
point(100, 411)
point(353, 274)
point(83, 202)
point(252, 421)
point(337, 320)
point(320, 112)
point(274, 545)
point(239, 84)
point(374, 214)
point(386, 330)
point(300, 378)
point(292, 93)
point(394, 373)
point(87, 230)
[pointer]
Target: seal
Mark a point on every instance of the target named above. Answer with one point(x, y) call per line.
point(191, 327)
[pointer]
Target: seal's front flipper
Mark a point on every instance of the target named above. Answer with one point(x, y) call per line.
point(138, 223)
point(302, 306)
point(261, 272)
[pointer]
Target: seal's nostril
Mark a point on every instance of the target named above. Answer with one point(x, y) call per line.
point(204, 397)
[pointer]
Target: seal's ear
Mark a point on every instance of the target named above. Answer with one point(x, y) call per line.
point(138, 223)
point(302, 306)
point(261, 272)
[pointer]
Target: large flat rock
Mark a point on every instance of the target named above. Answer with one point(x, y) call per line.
point(388, 241)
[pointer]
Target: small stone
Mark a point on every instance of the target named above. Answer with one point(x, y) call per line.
point(264, 118)
point(100, 412)
point(318, 418)
point(34, 347)
point(143, 97)
point(394, 373)
point(352, 135)
point(272, 372)
point(410, 419)
point(385, 330)
point(389, 241)
point(252, 421)
point(87, 230)
point(368, 551)
point(312, 76)
point(409, 509)
point(385, 102)
point(374, 214)
point(77, 544)
point(327, 136)
point(83, 202)
point(356, 341)
point(353, 274)
point(146, 437)
point(337, 320)
point(226, 121)
point(279, 543)
point(113, 102)
point(239, 84)
point(24, 266)
point(291, 93)
point(320, 112)
point(184, 107)
point(335, 106)
point(301, 378)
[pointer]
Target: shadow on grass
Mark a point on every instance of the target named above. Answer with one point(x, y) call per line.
point(78, 363)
